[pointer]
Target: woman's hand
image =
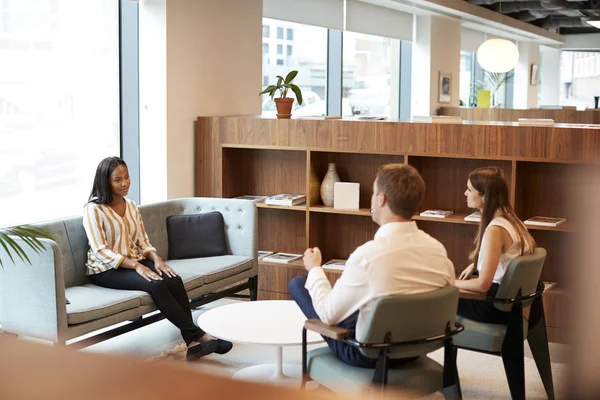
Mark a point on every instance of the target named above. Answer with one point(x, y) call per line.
point(162, 267)
point(467, 272)
point(147, 273)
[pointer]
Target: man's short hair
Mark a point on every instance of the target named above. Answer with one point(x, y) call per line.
point(404, 188)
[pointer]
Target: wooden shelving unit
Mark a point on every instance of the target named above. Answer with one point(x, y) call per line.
point(262, 156)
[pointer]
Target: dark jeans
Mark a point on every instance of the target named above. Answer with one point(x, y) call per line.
point(169, 295)
point(483, 311)
point(348, 354)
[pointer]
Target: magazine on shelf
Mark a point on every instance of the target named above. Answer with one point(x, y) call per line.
point(256, 199)
point(335, 264)
point(545, 221)
point(436, 213)
point(263, 253)
point(282, 258)
point(474, 217)
point(286, 199)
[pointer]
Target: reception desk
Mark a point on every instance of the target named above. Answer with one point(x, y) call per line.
point(590, 116)
point(265, 156)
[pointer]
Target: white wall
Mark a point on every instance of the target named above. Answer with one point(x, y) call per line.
point(549, 75)
point(420, 68)
point(589, 41)
point(525, 95)
point(212, 67)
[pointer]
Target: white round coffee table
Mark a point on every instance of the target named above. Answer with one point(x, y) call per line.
point(267, 323)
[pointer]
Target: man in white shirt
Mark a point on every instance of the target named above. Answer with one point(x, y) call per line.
point(401, 259)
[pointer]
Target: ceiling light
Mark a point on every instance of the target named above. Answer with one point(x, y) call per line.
point(594, 22)
point(498, 55)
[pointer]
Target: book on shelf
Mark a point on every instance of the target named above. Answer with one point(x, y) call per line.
point(474, 217)
point(440, 119)
point(256, 199)
point(285, 199)
point(335, 264)
point(536, 122)
point(545, 221)
point(436, 213)
point(282, 258)
point(263, 253)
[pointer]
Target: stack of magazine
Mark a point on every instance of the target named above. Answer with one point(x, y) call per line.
point(545, 221)
point(335, 264)
point(436, 213)
point(286, 199)
point(256, 199)
point(474, 217)
point(281, 258)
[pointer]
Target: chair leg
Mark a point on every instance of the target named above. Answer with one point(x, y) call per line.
point(253, 288)
point(538, 342)
point(451, 382)
point(513, 355)
point(304, 363)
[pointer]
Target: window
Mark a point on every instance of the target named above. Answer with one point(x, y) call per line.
point(467, 77)
point(265, 48)
point(368, 65)
point(290, 34)
point(266, 31)
point(579, 78)
point(308, 55)
point(60, 119)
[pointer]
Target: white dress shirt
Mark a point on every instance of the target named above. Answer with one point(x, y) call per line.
point(402, 259)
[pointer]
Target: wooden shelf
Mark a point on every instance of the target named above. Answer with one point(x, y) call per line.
point(564, 227)
point(450, 219)
point(364, 212)
point(301, 207)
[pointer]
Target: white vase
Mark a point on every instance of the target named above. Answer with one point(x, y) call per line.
point(327, 185)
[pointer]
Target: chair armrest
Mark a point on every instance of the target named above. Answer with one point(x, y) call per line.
point(330, 331)
point(32, 297)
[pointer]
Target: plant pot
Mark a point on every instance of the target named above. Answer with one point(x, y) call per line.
point(284, 107)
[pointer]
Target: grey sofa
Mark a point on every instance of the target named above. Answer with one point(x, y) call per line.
point(32, 297)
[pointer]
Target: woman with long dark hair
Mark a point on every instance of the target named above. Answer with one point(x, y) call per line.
point(501, 238)
point(121, 256)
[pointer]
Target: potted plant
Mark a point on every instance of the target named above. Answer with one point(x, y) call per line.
point(29, 235)
point(284, 103)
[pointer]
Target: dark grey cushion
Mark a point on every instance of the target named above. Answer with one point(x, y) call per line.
point(197, 235)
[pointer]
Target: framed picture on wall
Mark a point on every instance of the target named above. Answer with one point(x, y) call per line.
point(445, 88)
point(534, 75)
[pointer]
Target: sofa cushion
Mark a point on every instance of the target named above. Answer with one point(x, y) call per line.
point(212, 269)
point(90, 302)
point(196, 235)
point(483, 336)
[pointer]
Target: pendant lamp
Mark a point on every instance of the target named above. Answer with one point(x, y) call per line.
point(498, 55)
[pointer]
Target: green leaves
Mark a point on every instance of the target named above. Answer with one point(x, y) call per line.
point(283, 85)
point(28, 234)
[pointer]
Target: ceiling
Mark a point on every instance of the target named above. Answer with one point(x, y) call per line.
point(565, 17)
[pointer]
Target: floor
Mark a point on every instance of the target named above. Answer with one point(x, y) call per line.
point(482, 376)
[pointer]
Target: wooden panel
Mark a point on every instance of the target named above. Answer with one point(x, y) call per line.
point(264, 295)
point(446, 180)
point(560, 255)
point(513, 115)
point(339, 235)
point(557, 335)
point(361, 168)
point(263, 172)
point(456, 238)
point(281, 231)
point(276, 277)
point(556, 308)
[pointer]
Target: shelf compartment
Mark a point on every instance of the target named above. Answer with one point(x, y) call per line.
point(264, 206)
point(446, 180)
point(364, 212)
point(263, 172)
point(353, 167)
point(281, 231)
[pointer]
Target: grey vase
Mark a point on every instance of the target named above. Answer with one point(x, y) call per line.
point(328, 184)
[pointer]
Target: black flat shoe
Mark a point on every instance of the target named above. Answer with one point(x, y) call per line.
point(201, 350)
point(223, 347)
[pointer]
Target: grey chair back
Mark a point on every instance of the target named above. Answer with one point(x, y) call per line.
point(522, 273)
point(407, 318)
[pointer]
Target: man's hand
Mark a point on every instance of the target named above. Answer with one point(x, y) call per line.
point(162, 267)
point(312, 258)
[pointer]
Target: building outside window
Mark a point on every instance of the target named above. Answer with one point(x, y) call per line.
point(265, 48)
point(307, 55)
point(579, 78)
point(368, 64)
point(266, 31)
point(59, 104)
point(279, 49)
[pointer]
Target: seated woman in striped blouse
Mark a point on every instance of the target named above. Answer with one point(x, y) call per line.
point(121, 257)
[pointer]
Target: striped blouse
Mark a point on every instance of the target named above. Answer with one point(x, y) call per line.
point(112, 237)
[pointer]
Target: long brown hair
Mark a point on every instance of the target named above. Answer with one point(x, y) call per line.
point(491, 184)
